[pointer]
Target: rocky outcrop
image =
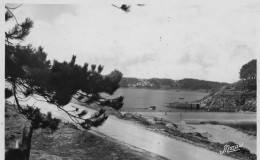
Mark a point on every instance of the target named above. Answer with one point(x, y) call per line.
point(230, 99)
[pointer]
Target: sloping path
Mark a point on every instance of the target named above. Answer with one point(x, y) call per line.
point(138, 136)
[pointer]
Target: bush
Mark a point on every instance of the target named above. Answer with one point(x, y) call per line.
point(213, 122)
point(54, 123)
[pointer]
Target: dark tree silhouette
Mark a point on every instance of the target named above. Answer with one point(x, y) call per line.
point(126, 8)
point(123, 7)
point(29, 73)
point(248, 74)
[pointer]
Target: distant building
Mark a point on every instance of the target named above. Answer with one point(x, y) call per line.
point(165, 86)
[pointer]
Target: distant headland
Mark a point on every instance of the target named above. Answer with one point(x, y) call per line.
point(164, 83)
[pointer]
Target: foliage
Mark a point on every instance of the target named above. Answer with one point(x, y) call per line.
point(40, 120)
point(127, 81)
point(199, 84)
point(156, 83)
point(248, 74)
point(8, 93)
point(30, 73)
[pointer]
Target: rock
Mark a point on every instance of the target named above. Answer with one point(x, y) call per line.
point(161, 123)
point(198, 135)
point(171, 126)
point(151, 121)
point(127, 115)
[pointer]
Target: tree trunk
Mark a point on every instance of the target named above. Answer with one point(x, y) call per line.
point(16, 99)
point(27, 131)
point(21, 151)
point(26, 140)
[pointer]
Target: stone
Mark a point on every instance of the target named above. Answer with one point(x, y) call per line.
point(151, 121)
point(170, 126)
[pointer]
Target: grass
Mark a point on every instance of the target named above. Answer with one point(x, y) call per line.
point(70, 143)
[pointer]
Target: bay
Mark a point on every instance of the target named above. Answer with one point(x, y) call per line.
point(141, 99)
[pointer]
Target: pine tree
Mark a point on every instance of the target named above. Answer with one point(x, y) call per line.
point(248, 74)
point(30, 73)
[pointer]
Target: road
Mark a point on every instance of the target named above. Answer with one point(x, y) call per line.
point(140, 137)
point(135, 135)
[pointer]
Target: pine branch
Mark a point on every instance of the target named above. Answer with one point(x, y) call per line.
point(20, 31)
point(7, 16)
point(13, 8)
point(11, 14)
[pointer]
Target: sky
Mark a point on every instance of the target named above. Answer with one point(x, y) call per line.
point(201, 39)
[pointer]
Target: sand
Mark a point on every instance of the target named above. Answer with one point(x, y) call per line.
point(179, 116)
point(222, 134)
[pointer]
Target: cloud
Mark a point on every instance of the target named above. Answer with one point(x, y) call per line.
point(170, 39)
point(143, 59)
point(199, 55)
point(44, 12)
point(242, 52)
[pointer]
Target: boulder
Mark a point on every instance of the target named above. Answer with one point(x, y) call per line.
point(151, 121)
point(170, 126)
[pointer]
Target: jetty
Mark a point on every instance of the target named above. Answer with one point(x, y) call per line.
point(185, 105)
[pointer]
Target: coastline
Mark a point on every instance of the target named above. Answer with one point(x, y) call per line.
point(178, 116)
point(174, 89)
point(110, 129)
point(208, 136)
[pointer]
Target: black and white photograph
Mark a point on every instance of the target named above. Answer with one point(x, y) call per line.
point(130, 80)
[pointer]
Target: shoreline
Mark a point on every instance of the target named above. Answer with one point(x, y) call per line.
point(176, 116)
point(175, 89)
point(195, 134)
point(181, 111)
point(111, 131)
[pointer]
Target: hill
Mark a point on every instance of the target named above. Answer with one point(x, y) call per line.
point(231, 98)
point(239, 96)
point(157, 83)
